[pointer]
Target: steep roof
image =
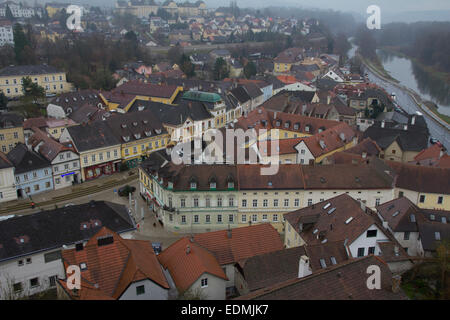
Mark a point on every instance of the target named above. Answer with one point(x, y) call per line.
point(112, 267)
point(49, 148)
point(398, 214)
point(10, 120)
point(186, 261)
point(51, 229)
point(243, 242)
point(25, 160)
point(92, 136)
point(332, 224)
point(342, 282)
point(420, 178)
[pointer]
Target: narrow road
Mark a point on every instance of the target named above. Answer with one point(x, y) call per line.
point(437, 127)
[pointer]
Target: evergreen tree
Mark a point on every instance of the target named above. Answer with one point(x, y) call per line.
point(3, 101)
point(250, 70)
point(220, 70)
point(20, 42)
point(8, 14)
point(186, 66)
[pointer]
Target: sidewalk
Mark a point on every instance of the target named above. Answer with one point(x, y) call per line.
point(70, 193)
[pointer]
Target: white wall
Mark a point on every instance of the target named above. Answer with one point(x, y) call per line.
point(363, 242)
point(11, 273)
point(216, 289)
point(7, 189)
point(152, 291)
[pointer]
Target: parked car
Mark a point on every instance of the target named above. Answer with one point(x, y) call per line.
point(124, 191)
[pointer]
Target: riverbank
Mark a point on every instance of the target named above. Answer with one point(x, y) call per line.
point(438, 118)
point(376, 68)
point(443, 76)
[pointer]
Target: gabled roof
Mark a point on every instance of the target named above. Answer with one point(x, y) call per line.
point(92, 136)
point(25, 70)
point(332, 226)
point(186, 261)
point(10, 120)
point(232, 246)
point(49, 148)
point(408, 140)
point(112, 267)
point(25, 160)
point(398, 213)
point(420, 178)
point(342, 282)
point(51, 229)
point(4, 161)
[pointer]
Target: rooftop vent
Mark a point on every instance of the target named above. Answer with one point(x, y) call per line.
point(331, 210)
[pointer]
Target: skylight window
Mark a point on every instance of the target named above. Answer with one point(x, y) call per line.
point(331, 210)
point(348, 220)
point(396, 213)
point(323, 263)
point(432, 217)
point(315, 231)
point(437, 235)
point(333, 260)
point(327, 205)
point(412, 217)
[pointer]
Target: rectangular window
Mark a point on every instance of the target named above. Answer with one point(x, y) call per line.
point(244, 203)
point(219, 218)
point(371, 233)
point(208, 218)
point(196, 218)
point(254, 217)
point(231, 202)
point(255, 203)
point(377, 201)
point(52, 281)
point(286, 202)
point(182, 203)
point(265, 201)
point(309, 202)
point(275, 218)
point(275, 202)
point(361, 252)
point(219, 202)
point(230, 218)
point(440, 199)
point(34, 282)
point(264, 217)
point(422, 199)
point(208, 202)
point(406, 235)
point(204, 282)
point(183, 219)
point(371, 250)
point(244, 218)
point(196, 202)
point(140, 290)
point(296, 202)
point(17, 287)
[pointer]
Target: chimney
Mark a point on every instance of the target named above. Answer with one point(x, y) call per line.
point(188, 249)
point(405, 127)
point(382, 124)
point(303, 267)
point(363, 206)
point(229, 233)
point(396, 281)
point(364, 154)
point(275, 115)
point(328, 99)
point(413, 120)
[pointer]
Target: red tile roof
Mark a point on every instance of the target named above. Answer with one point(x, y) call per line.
point(186, 261)
point(112, 267)
point(245, 242)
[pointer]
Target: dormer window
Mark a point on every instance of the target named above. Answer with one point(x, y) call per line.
point(158, 131)
point(286, 124)
point(193, 185)
point(230, 185)
point(126, 138)
point(170, 185)
point(278, 123)
point(307, 128)
point(135, 124)
point(137, 135)
point(148, 133)
point(296, 126)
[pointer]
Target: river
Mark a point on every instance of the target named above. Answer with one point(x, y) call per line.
point(403, 98)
